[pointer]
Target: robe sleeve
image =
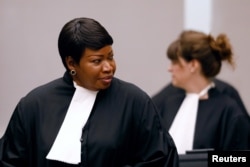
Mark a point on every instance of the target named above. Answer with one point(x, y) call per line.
point(153, 145)
point(14, 144)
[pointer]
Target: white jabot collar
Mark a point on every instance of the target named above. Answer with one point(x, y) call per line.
point(67, 146)
point(183, 126)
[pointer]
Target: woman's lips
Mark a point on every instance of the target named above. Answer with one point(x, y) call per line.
point(107, 80)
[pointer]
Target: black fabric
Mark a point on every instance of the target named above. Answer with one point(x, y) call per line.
point(222, 121)
point(123, 128)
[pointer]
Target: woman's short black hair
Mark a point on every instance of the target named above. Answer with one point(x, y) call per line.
point(79, 34)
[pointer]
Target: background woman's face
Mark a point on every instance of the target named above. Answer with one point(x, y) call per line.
point(96, 68)
point(180, 72)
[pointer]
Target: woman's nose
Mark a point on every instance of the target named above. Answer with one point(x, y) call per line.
point(169, 68)
point(107, 66)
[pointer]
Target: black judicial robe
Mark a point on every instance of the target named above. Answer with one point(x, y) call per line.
point(123, 129)
point(221, 86)
point(222, 123)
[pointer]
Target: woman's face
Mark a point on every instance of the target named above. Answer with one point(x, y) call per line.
point(181, 72)
point(95, 69)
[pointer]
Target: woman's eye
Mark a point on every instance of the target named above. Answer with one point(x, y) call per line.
point(111, 57)
point(96, 61)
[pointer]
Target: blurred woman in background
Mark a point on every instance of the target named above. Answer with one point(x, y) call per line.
point(197, 114)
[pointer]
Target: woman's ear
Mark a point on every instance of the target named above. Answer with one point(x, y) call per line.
point(70, 62)
point(194, 65)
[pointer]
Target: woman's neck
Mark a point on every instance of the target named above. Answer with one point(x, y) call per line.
point(197, 85)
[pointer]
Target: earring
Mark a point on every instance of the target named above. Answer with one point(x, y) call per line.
point(72, 72)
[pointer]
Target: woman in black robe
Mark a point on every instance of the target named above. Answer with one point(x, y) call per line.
point(222, 86)
point(88, 117)
point(221, 121)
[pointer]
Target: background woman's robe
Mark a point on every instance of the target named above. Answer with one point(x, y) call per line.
point(222, 122)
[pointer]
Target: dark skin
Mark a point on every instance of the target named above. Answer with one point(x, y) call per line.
point(95, 69)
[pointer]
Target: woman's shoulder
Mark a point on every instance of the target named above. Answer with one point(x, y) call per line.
point(227, 104)
point(216, 95)
point(49, 89)
point(168, 92)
